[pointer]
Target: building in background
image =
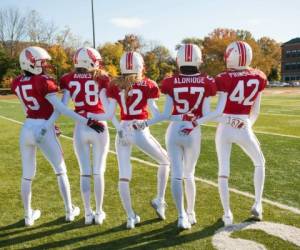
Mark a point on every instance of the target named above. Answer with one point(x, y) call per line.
point(290, 60)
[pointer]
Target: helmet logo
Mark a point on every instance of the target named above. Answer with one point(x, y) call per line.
point(91, 55)
point(227, 53)
point(29, 56)
point(129, 60)
point(188, 52)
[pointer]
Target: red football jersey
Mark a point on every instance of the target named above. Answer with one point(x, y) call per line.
point(31, 90)
point(242, 88)
point(135, 106)
point(85, 90)
point(188, 92)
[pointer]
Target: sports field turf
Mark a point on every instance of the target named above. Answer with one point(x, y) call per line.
point(278, 130)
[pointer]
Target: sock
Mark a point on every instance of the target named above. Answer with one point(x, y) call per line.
point(162, 181)
point(178, 196)
point(259, 179)
point(26, 196)
point(190, 193)
point(85, 187)
point(224, 195)
point(64, 187)
point(125, 197)
point(99, 191)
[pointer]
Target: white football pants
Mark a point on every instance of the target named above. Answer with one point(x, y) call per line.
point(87, 140)
point(50, 147)
point(183, 150)
point(244, 137)
point(145, 142)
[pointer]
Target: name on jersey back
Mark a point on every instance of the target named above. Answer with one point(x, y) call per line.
point(187, 80)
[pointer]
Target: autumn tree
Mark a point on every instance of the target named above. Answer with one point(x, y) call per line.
point(270, 57)
point(111, 54)
point(60, 60)
point(193, 40)
point(159, 63)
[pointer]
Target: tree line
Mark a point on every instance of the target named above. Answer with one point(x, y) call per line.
point(18, 30)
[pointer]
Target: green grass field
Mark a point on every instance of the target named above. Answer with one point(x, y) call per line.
point(278, 130)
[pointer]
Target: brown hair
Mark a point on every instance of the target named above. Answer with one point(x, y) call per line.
point(125, 82)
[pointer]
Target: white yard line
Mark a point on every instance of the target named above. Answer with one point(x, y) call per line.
point(211, 183)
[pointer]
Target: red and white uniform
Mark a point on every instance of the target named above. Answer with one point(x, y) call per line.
point(32, 92)
point(85, 90)
point(242, 88)
point(135, 108)
point(85, 93)
point(188, 93)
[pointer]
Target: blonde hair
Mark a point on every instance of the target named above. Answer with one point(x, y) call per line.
point(125, 81)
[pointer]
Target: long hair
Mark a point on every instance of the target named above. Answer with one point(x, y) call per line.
point(125, 81)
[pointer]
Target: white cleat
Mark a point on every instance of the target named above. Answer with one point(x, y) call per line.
point(257, 211)
point(183, 223)
point(160, 208)
point(29, 220)
point(227, 219)
point(70, 216)
point(99, 218)
point(89, 218)
point(132, 221)
point(192, 218)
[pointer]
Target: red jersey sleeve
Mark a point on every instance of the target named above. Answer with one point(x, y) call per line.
point(63, 83)
point(48, 86)
point(165, 87)
point(211, 87)
point(263, 81)
point(153, 91)
point(111, 91)
point(103, 82)
point(221, 83)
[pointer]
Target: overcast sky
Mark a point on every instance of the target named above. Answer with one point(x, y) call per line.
point(168, 21)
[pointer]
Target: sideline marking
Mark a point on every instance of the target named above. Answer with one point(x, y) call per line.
point(211, 183)
point(222, 239)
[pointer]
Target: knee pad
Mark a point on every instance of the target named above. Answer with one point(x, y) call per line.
point(224, 170)
point(178, 176)
point(99, 171)
point(164, 166)
point(189, 177)
point(61, 169)
point(85, 171)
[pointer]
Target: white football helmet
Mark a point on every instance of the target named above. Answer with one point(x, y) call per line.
point(189, 55)
point(131, 63)
point(87, 58)
point(238, 55)
point(33, 59)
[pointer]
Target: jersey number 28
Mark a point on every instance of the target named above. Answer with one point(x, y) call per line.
point(91, 92)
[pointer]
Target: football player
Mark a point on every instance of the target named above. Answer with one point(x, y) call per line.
point(134, 93)
point(86, 85)
point(37, 94)
point(187, 96)
point(242, 88)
